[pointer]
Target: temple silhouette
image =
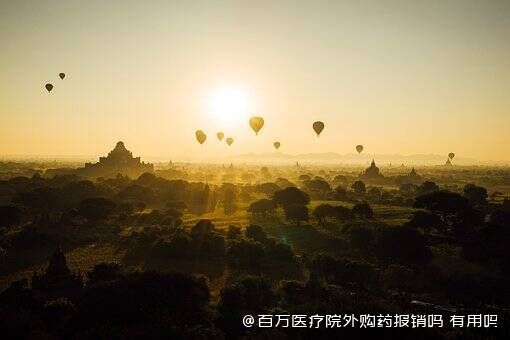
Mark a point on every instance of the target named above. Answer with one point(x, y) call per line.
point(371, 173)
point(119, 161)
point(58, 280)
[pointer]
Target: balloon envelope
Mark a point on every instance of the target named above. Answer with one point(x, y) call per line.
point(318, 126)
point(62, 75)
point(220, 135)
point(229, 141)
point(359, 148)
point(451, 155)
point(256, 123)
point(276, 145)
point(48, 87)
point(201, 137)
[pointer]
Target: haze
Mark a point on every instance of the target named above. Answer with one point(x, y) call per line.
point(407, 77)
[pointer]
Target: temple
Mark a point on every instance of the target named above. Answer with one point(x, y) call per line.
point(371, 173)
point(118, 161)
point(413, 177)
point(58, 280)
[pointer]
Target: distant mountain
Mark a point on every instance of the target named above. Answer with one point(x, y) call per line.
point(353, 158)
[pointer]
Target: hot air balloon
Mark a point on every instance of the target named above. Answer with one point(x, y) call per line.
point(359, 148)
point(256, 124)
point(318, 126)
point(229, 141)
point(220, 135)
point(276, 145)
point(451, 155)
point(201, 136)
point(62, 75)
point(48, 87)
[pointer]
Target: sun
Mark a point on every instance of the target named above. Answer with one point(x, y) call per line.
point(229, 105)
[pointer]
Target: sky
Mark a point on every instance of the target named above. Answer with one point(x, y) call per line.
point(399, 77)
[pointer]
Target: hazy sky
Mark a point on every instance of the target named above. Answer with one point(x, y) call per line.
point(397, 76)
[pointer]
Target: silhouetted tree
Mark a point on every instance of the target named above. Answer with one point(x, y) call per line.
point(103, 272)
point(233, 232)
point(324, 211)
point(303, 178)
point(426, 221)
point(145, 302)
point(374, 193)
point(340, 193)
point(268, 188)
point(256, 233)
point(136, 192)
point(316, 187)
point(362, 238)
point(229, 202)
point(500, 217)
point(401, 245)
point(359, 187)
point(426, 187)
point(291, 196)
point(476, 195)
point(363, 210)
point(252, 295)
point(96, 209)
point(408, 188)
point(444, 203)
point(41, 200)
point(263, 207)
point(296, 213)
point(246, 254)
point(9, 216)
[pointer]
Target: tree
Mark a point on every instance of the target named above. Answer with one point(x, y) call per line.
point(144, 301)
point(291, 196)
point(96, 209)
point(296, 213)
point(233, 232)
point(476, 195)
point(362, 237)
point(340, 179)
point(103, 272)
point(256, 233)
point(340, 193)
point(303, 178)
point(425, 220)
point(316, 187)
point(375, 193)
point(262, 207)
point(252, 295)
point(41, 200)
point(401, 245)
point(136, 192)
point(426, 187)
point(363, 210)
point(78, 191)
point(343, 213)
point(359, 187)
point(500, 217)
point(408, 188)
point(444, 203)
point(268, 188)
point(202, 200)
point(9, 216)
point(324, 211)
point(229, 201)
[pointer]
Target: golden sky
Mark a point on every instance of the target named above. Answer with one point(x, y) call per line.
point(408, 77)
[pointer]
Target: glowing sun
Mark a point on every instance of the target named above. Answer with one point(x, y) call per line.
point(229, 105)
